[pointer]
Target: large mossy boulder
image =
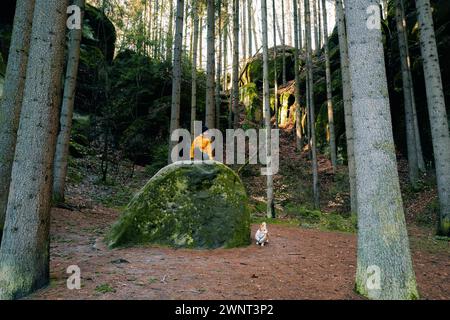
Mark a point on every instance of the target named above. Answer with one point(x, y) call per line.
point(189, 205)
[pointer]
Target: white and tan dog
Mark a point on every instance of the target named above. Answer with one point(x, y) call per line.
point(262, 235)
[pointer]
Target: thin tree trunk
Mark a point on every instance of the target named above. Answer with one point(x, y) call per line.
point(275, 70)
point(383, 247)
point(347, 97)
point(11, 104)
point(169, 45)
point(298, 117)
point(195, 18)
point(314, 23)
point(24, 255)
point(289, 24)
point(255, 34)
point(176, 82)
point(436, 110)
point(235, 88)
point(410, 85)
point(300, 31)
point(266, 108)
point(312, 137)
point(210, 66)
point(249, 26)
point(201, 42)
point(244, 30)
point(62, 144)
point(225, 49)
point(410, 132)
point(186, 7)
point(329, 88)
point(319, 24)
point(283, 39)
point(219, 66)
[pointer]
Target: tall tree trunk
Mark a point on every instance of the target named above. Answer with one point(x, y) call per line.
point(249, 25)
point(194, 65)
point(266, 109)
point(176, 82)
point(383, 248)
point(275, 69)
point(11, 104)
point(289, 24)
point(169, 45)
point(436, 110)
point(283, 39)
point(244, 30)
point(186, 26)
point(319, 19)
point(225, 48)
point(413, 164)
point(62, 144)
point(312, 118)
point(201, 42)
point(300, 31)
point(24, 255)
point(255, 33)
point(315, 25)
point(219, 66)
point(347, 97)
point(235, 76)
point(210, 66)
point(410, 89)
point(298, 117)
point(329, 87)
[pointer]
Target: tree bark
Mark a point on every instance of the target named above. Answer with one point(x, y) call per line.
point(266, 108)
point(275, 72)
point(235, 75)
point(298, 117)
point(195, 45)
point(312, 118)
point(210, 65)
point(437, 111)
point(219, 66)
point(347, 97)
point(24, 255)
point(283, 39)
point(176, 81)
point(169, 42)
point(62, 144)
point(413, 165)
point(383, 247)
point(11, 104)
point(329, 88)
point(249, 25)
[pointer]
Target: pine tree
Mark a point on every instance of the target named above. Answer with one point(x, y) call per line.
point(383, 246)
point(347, 97)
point(62, 144)
point(266, 109)
point(24, 254)
point(437, 111)
point(176, 82)
point(311, 113)
point(11, 104)
point(329, 88)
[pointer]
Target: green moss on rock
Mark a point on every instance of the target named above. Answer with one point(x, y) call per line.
point(187, 204)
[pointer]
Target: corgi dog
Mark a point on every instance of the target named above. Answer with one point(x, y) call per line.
point(262, 235)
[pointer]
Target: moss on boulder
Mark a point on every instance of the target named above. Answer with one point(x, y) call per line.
point(187, 204)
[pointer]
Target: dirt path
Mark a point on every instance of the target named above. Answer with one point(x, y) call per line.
point(298, 264)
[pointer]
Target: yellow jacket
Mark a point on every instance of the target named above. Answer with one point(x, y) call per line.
point(205, 146)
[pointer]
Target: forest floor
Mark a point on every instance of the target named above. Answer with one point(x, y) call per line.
point(304, 260)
